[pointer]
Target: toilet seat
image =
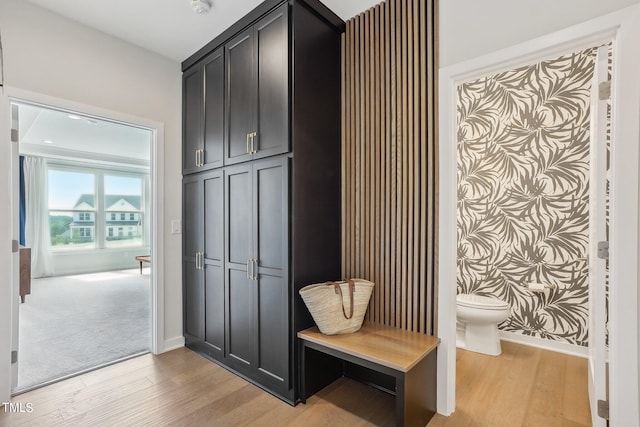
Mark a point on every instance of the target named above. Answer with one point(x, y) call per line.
point(480, 301)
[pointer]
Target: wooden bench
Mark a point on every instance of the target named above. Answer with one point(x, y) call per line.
point(400, 362)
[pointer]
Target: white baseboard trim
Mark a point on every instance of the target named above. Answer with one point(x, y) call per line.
point(172, 344)
point(560, 347)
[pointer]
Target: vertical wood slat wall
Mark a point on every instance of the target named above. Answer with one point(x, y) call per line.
point(389, 160)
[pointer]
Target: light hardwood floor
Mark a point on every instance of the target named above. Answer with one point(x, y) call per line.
point(523, 387)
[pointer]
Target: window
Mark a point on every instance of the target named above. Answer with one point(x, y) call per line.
point(77, 222)
point(71, 199)
point(124, 195)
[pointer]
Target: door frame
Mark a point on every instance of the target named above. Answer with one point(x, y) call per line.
point(623, 27)
point(7, 258)
point(157, 197)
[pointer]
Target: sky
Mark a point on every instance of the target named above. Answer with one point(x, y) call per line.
point(65, 187)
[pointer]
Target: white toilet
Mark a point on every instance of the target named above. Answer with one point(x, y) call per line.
point(477, 323)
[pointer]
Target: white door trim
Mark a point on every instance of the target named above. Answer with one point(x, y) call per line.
point(7, 259)
point(623, 27)
point(157, 190)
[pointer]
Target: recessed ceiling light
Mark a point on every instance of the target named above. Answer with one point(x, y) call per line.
point(92, 122)
point(74, 117)
point(48, 141)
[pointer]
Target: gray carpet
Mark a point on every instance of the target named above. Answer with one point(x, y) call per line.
point(74, 323)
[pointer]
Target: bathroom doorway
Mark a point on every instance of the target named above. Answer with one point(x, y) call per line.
point(623, 28)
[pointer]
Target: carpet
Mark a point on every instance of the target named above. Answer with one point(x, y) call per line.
point(74, 323)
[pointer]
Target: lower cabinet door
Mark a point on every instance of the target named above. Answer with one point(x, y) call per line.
point(270, 225)
point(213, 260)
point(256, 272)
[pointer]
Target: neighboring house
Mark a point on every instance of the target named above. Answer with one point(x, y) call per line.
point(123, 218)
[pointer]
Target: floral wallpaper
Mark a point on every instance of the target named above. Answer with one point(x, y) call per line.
point(523, 193)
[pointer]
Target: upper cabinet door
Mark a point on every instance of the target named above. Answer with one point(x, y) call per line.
point(272, 41)
point(203, 99)
point(213, 110)
point(257, 79)
point(241, 96)
point(192, 97)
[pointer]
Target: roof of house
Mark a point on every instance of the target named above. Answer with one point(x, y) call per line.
point(110, 200)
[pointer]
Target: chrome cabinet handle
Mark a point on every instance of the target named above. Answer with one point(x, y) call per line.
point(200, 260)
point(255, 269)
point(248, 150)
point(253, 150)
point(200, 157)
point(248, 273)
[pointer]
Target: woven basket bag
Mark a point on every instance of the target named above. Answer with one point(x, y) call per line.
point(338, 307)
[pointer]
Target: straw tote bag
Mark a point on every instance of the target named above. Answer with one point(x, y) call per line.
point(338, 307)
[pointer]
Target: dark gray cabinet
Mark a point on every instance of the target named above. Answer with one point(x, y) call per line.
point(203, 261)
point(257, 90)
point(267, 221)
point(256, 268)
point(203, 115)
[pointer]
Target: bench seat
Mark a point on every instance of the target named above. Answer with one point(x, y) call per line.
point(406, 359)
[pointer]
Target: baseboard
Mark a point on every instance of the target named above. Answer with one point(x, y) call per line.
point(173, 343)
point(560, 347)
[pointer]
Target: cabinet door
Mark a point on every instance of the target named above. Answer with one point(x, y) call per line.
point(192, 120)
point(213, 109)
point(241, 96)
point(193, 279)
point(240, 288)
point(271, 218)
point(214, 295)
point(272, 41)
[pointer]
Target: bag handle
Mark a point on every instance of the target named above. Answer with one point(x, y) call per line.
point(338, 290)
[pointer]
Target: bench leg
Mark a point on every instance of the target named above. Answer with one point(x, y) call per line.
point(302, 372)
point(416, 393)
point(140, 267)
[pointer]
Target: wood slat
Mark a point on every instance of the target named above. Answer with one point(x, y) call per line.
point(389, 160)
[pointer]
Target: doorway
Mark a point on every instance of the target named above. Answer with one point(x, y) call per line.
point(86, 211)
point(621, 27)
point(531, 161)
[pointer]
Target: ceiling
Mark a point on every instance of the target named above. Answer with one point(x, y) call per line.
point(61, 134)
point(169, 27)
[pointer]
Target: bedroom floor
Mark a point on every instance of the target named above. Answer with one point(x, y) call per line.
point(69, 324)
point(525, 386)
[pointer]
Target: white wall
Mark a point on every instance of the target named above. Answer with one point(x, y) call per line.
point(68, 263)
point(47, 54)
point(470, 28)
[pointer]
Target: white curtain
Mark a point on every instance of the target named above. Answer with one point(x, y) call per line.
point(37, 234)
